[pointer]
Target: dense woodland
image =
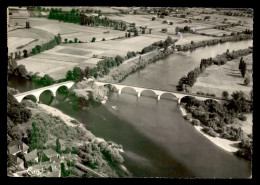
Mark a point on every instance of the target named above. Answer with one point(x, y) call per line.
point(218, 120)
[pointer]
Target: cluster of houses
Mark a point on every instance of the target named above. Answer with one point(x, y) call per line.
point(45, 163)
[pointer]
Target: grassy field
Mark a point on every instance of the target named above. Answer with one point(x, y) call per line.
point(216, 32)
point(188, 37)
point(23, 36)
point(217, 79)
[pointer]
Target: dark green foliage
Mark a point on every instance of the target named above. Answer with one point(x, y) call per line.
point(181, 83)
point(46, 80)
point(214, 117)
point(225, 94)
point(15, 111)
point(247, 80)
point(78, 74)
point(242, 67)
point(87, 72)
point(20, 71)
point(153, 19)
point(93, 39)
point(242, 117)
point(76, 40)
point(238, 103)
point(58, 146)
point(131, 54)
point(129, 34)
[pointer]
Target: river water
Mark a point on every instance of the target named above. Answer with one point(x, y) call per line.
point(156, 139)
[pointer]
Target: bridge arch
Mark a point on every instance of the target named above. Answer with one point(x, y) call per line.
point(148, 90)
point(30, 97)
point(47, 96)
point(128, 87)
point(167, 94)
point(62, 93)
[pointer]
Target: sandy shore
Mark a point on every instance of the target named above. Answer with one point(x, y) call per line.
point(225, 144)
point(55, 112)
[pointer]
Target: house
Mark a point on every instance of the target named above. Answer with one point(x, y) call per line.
point(16, 147)
point(54, 173)
point(20, 163)
point(32, 157)
point(49, 155)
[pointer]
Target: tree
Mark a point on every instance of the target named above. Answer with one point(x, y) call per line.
point(46, 80)
point(58, 146)
point(75, 40)
point(69, 75)
point(242, 67)
point(78, 74)
point(181, 83)
point(87, 72)
point(247, 80)
point(225, 94)
point(129, 34)
point(238, 102)
point(65, 40)
point(93, 39)
point(135, 33)
point(25, 55)
point(153, 18)
point(21, 71)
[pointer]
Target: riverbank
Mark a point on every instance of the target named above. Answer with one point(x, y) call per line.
point(121, 72)
point(224, 144)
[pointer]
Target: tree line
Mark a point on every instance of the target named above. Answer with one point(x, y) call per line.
point(74, 16)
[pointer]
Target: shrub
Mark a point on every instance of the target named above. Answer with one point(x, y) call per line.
point(247, 80)
point(188, 116)
point(210, 131)
point(225, 94)
point(153, 18)
point(242, 117)
point(103, 39)
point(195, 122)
point(165, 22)
point(93, 39)
point(70, 41)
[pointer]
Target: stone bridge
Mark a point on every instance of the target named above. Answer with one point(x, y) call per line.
point(157, 92)
point(53, 88)
point(37, 92)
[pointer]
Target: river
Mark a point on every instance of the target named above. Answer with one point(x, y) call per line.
point(156, 139)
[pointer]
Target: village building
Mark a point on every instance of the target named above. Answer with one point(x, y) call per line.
point(32, 157)
point(49, 155)
point(16, 147)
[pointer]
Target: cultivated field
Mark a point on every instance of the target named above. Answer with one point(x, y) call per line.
point(57, 61)
point(216, 79)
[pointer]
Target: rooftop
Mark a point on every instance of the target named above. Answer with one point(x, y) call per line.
point(30, 156)
point(50, 153)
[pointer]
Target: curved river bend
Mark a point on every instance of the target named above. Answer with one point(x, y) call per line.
point(156, 139)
